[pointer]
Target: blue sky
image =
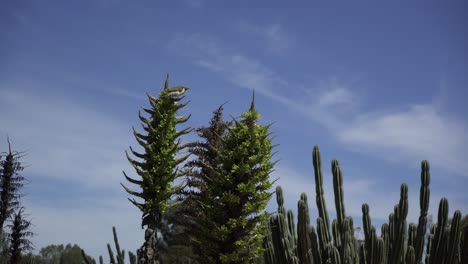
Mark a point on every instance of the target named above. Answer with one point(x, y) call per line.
point(380, 87)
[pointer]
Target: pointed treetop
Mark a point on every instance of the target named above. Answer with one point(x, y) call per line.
point(252, 104)
point(9, 144)
point(166, 84)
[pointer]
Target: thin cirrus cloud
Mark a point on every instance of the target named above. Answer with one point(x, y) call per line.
point(64, 139)
point(273, 36)
point(419, 132)
point(337, 95)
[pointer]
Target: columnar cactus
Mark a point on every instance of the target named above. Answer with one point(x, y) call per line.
point(397, 247)
point(464, 246)
point(320, 199)
point(339, 196)
point(303, 228)
point(282, 239)
point(454, 239)
point(270, 252)
point(314, 250)
point(437, 249)
point(410, 257)
point(398, 243)
point(424, 207)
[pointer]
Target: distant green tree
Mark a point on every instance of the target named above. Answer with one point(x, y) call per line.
point(57, 254)
point(31, 258)
point(239, 192)
point(71, 255)
point(158, 163)
point(52, 253)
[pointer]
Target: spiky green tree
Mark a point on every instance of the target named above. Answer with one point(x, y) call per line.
point(157, 166)
point(201, 173)
point(11, 183)
point(19, 237)
point(240, 191)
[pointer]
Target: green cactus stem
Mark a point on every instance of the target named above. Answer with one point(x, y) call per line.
point(437, 249)
point(410, 257)
point(303, 227)
point(424, 206)
point(453, 239)
point(401, 211)
point(324, 233)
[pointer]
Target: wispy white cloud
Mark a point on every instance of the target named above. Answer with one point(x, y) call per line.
point(274, 36)
point(69, 142)
point(421, 132)
point(336, 95)
point(237, 68)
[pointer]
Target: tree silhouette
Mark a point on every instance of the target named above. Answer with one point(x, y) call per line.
point(10, 184)
point(19, 237)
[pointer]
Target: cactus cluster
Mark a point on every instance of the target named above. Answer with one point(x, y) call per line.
point(398, 243)
point(119, 258)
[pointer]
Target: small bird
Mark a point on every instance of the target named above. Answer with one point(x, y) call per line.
point(177, 91)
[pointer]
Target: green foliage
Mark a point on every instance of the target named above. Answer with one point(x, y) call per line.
point(175, 240)
point(52, 253)
point(72, 255)
point(230, 182)
point(179, 254)
point(58, 254)
point(201, 174)
point(240, 196)
point(157, 167)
